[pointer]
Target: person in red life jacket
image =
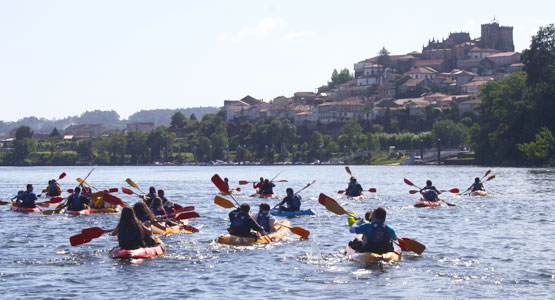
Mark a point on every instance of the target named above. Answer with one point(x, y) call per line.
point(242, 223)
point(53, 188)
point(477, 185)
point(429, 192)
point(145, 215)
point(293, 201)
point(264, 218)
point(27, 199)
point(258, 185)
point(268, 187)
point(150, 196)
point(131, 232)
point(377, 236)
point(167, 204)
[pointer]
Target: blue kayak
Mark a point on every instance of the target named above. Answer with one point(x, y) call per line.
point(307, 212)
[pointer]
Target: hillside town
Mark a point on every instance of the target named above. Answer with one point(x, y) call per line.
point(446, 73)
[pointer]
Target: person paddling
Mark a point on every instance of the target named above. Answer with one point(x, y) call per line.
point(293, 201)
point(477, 185)
point(263, 217)
point(150, 196)
point(268, 187)
point(76, 201)
point(53, 188)
point(258, 185)
point(377, 236)
point(167, 204)
point(242, 223)
point(429, 192)
point(354, 189)
point(131, 232)
point(145, 215)
point(27, 199)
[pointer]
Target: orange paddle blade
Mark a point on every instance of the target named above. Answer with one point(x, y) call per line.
point(300, 232)
point(223, 202)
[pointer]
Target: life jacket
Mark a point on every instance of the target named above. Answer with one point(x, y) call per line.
point(159, 211)
point(430, 195)
point(295, 203)
point(267, 189)
point(379, 234)
point(353, 190)
point(129, 234)
point(54, 189)
point(238, 219)
point(28, 199)
point(75, 202)
point(169, 209)
point(476, 186)
point(263, 219)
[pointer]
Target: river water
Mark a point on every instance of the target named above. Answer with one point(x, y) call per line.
point(500, 246)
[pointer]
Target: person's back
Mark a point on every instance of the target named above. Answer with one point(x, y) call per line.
point(354, 189)
point(54, 189)
point(268, 188)
point(263, 217)
point(242, 222)
point(429, 192)
point(76, 201)
point(477, 185)
point(377, 235)
point(28, 197)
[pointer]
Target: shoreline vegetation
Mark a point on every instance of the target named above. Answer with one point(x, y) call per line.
point(514, 127)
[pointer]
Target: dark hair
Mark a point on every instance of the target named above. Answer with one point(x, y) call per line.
point(380, 214)
point(142, 211)
point(152, 190)
point(266, 180)
point(368, 215)
point(289, 191)
point(161, 193)
point(77, 190)
point(264, 206)
point(261, 179)
point(29, 186)
point(428, 182)
point(129, 220)
point(476, 179)
point(245, 207)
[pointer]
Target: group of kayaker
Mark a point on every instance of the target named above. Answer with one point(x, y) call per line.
point(264, 187)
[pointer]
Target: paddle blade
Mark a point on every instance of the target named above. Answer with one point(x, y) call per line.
point(113, 190)
point(238, 189)
point(334, 207)
point(96, 196)
point(454, 191)
point(220, 184)
point(112, 199)
point(322, 199)
point(282, 180)
point(56, 200)
point(48, 212)
point(70, 191)
point(41, 204)
point(223, 202)
point(414, 246)
point(300, 232)
point(5, 202)
point(189, 228)
point(188, 215)
point(127, 191)
point(408, 182)
point(93, 232)
point(62, 175)
point(341, 191)
point(77, 240)
point(402, 245)
point(372, 190)
point(487, 173)
point(490, 178)
point(413, 192)
point(131, 183)
point(348, 170)
point(243, 182)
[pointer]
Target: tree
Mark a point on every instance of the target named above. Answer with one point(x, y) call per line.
point(542, 150)
point(55, 133)
point(383, 58)
point(192, 117)
point(85, 151)
point(23, 132)
point(178, 120)
point(338, 78)
point(451, 134)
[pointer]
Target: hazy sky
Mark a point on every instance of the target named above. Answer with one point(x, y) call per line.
point(60, 58)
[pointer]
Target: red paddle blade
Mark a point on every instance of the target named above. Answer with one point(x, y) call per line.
point(454, 191)
point(300, 232)
point(56, 200)
point(70, 191)
point(220, 184)
point(238, 189)
point(402, 245)
point(112, 199)
point(341, 192)
point(322, 199)
point(188, 215)
point(408, 182)
point(127, 191)
point(372, 190)
point(93, 232)
point(177, 206)
point(113, 190)
point(62, 175)
point(190, 228)
point(77, 240)
point(413, 191)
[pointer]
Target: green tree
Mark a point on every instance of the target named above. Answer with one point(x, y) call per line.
point(85, 151)
point(23, 132)
point(340, 77)
point(192, 117)
point(542, 150)
point(178, 120)
point(55, 133)
point(383, 58)
point(451, 134)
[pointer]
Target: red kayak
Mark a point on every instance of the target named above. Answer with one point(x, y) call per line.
point(25, 209)
point(87, 211)
point(148, 252)
point(425, 203)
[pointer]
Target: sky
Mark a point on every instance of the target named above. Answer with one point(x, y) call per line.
point(61, 58)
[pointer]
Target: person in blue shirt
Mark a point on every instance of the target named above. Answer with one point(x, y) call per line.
point(292, 200)
point(53, 188)
point(354, 189)
point(242, 223)
point(429, 192)
point(150, 196)
point(27, 199)
point(477, 185)
point(268, 187)
point(263, 217)
point(377, 236)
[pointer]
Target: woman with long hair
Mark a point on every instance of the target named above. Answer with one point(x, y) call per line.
point(145, 215)
point(131, 232)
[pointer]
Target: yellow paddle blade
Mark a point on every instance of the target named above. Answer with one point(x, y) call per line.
point(348, 170)
point(81, 181)
point(334, 207)
point(96, 196)
point(223, 202)
point(131, 183)
point(243, 182)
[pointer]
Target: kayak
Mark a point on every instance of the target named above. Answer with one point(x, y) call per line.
point(105, 210)
point(148, 252)
point(372, 257)
point(56, 199)
point(306, 212)
point(479, 193)
point(83, 212)
point(24, 209)
point(355, 197)
point(264, 195)
point(424, 203)
point(172, 229)
point(244, 241)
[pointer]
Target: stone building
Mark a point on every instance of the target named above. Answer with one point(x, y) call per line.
point(497, 37)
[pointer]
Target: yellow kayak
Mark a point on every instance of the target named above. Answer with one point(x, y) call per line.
point(172, 229)
point(371, 257)
point(275, 236)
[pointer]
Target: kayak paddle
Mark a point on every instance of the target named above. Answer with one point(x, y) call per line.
point(188, 215)
point(371, 190)
point(223, 202)
point(222, 186)
point(298, 231)
point(133, 184)
point(87, 235)
point(448, 204)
